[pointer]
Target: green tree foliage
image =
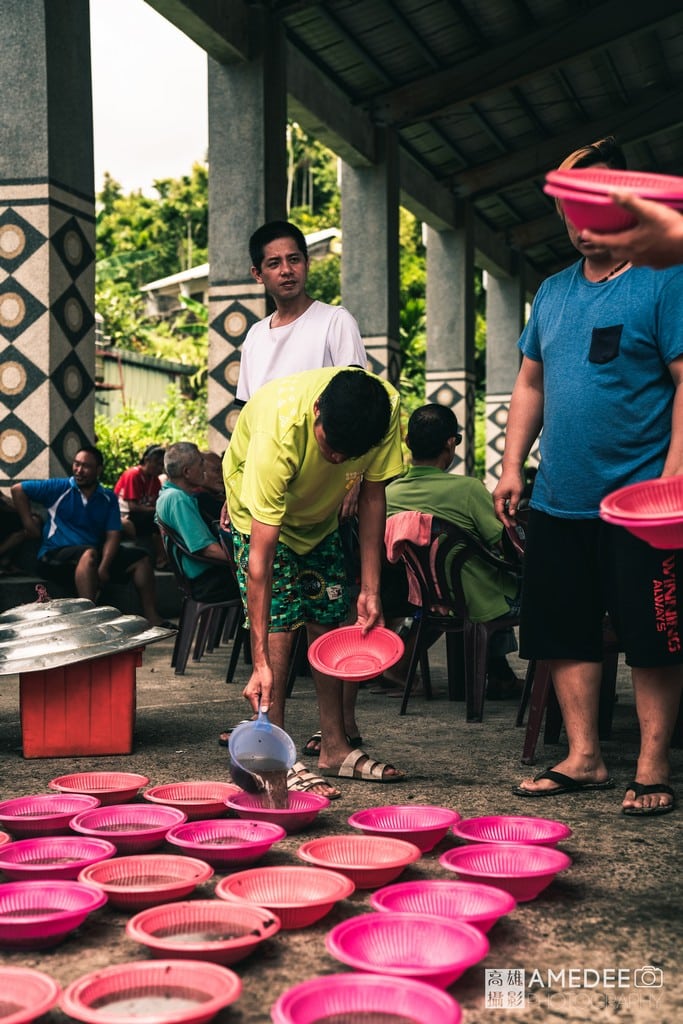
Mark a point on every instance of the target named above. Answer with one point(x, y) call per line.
point(140, 239)
point(123, 439)
point(313, 198)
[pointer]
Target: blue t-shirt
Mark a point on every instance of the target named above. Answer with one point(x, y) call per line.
point(71, 519)
point(608, 393)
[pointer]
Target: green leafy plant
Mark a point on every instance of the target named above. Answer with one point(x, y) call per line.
point(123, 439)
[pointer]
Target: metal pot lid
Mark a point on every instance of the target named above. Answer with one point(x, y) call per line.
point(66, 631)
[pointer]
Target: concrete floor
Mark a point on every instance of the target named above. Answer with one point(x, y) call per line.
point(618, 907)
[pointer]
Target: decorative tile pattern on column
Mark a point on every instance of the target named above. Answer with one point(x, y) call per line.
point(384, 358)
point(47, 239)
point(455, 389)
point(497, 409)
point(233, 309)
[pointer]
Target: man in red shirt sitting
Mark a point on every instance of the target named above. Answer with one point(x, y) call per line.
point(137, 490)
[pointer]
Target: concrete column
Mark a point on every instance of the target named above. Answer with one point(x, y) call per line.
point(370, 260)
point(450, 331)
point(47, 238)
point(247, 187)
point(504, 323)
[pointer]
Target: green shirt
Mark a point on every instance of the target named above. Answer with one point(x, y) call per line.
point(464, 501)
point(275, 472)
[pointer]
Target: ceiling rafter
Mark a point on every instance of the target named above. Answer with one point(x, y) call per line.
point(412, 34)
point(658, 110)
point(530, 53)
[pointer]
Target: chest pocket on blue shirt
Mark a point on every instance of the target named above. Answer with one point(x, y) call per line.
point(605, 343)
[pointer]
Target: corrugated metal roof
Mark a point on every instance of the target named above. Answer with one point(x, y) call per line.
point(485, 95)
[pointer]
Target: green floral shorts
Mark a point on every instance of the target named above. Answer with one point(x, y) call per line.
point(306, 588)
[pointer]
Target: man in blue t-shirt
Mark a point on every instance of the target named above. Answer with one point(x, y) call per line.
point(82, 533)
point(602, 374)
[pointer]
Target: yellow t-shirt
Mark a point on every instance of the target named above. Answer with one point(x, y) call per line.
point(274, 471)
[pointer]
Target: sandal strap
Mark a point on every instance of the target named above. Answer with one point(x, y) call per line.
point(369, 770)
point(300, 779)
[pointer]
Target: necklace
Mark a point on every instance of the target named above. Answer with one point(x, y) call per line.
point(616, 270)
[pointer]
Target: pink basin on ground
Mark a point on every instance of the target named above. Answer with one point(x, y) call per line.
point(299, 896)
point(217, 930)
point(144, 880)
point(422, 824)
point(479, 905)
point(302, 809)
point(358, 997)
point(430, 949)
point(509, 828)
point(53, 856)
point(151, 992)
point(226, 843)
point(132, 828)
point(523, 871)
point(36, 915)
point(369, 861)
point(25, 994)
point(199, 800)
point(108, 787)
point(43, 814)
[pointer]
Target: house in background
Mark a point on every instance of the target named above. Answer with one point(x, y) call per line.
point(162, 296)
point(124, 378)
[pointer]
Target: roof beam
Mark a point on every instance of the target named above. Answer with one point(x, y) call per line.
point(326, 113)
point(529, 54)
point(228, 32)
point(656, 111)
point(533, 232)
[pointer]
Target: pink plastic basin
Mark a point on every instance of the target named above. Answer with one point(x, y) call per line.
point(430, 949)
point(423, 825)
point(479, 905)
point(151, 992)
point(358, 997)
point(299, 896)
point(524, 871)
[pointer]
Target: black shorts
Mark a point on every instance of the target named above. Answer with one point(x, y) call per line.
point(58, 564)
point(576, 570)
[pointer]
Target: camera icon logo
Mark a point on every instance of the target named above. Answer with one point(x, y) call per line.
point(648, 977)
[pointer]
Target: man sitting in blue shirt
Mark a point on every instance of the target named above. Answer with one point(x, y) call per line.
point(83, 531)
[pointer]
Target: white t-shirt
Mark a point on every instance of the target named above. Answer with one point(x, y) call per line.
point(322, 336)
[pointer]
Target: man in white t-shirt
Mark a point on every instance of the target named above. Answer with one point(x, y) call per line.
point(302, 334)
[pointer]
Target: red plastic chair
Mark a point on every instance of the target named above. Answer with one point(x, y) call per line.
point(437, 568)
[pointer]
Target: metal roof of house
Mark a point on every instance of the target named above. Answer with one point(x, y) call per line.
point(484, 95)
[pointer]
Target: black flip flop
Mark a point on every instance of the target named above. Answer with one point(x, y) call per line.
point(565, 784)
point(649, 812)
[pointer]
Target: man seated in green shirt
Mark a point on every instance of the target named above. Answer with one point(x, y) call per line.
point(490, 592)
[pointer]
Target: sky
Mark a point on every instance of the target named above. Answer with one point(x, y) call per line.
point(149, 96)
